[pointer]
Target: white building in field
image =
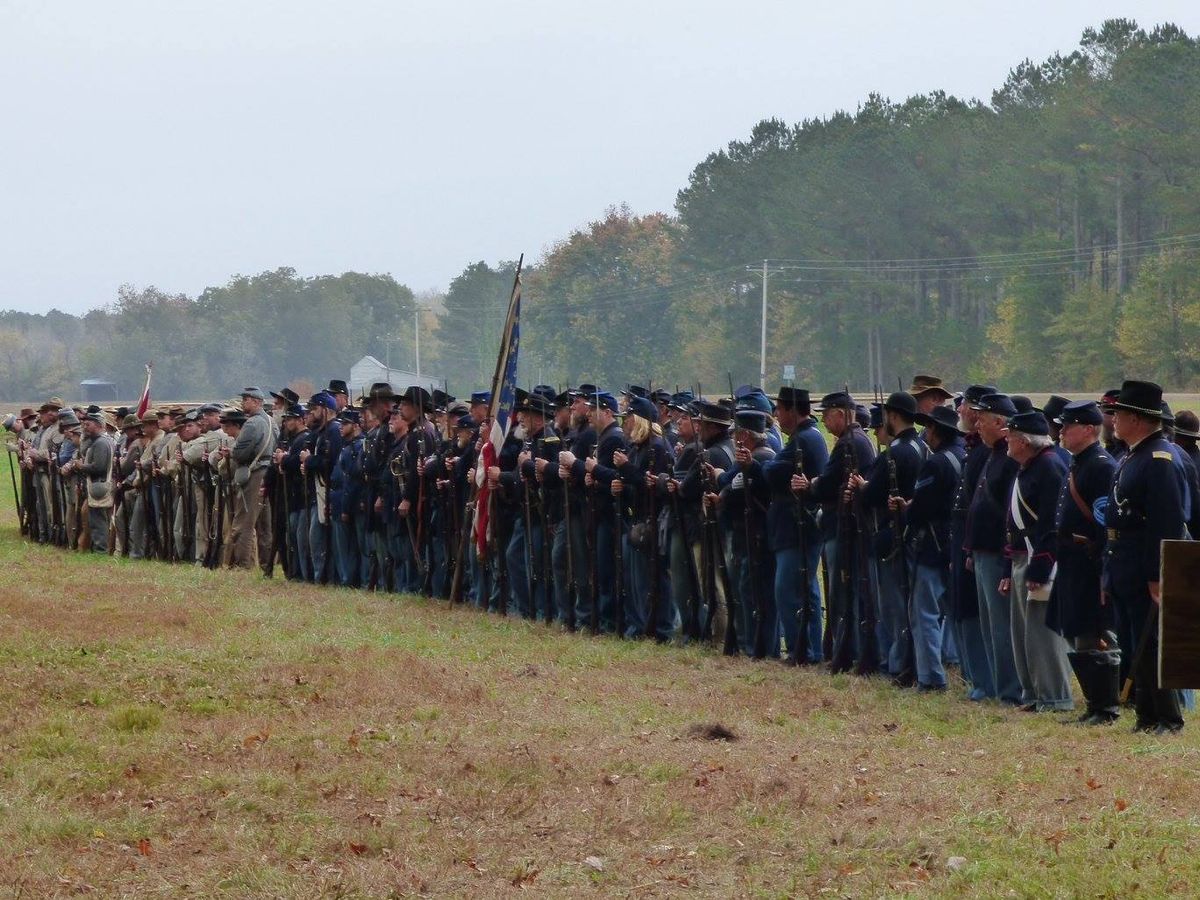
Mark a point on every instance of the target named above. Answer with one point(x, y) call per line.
point(369, 370)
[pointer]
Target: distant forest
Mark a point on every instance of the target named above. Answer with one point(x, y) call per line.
point(1047, 238)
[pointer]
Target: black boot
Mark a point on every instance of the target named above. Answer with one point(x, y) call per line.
point(1105, 707)
point(1084, 669)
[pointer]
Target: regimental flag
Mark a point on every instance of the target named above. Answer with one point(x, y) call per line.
point(500, 410)
point(144, 404)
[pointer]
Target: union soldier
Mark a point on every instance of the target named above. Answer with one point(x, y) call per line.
point(984, 539)
point(927, 518)
point(894, 475)
point(1039, 652)
point(792, 531)
point(1145, 507)
point(1076, 609)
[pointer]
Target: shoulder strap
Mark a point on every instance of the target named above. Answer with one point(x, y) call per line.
point(1078, 498)
point(955, 463)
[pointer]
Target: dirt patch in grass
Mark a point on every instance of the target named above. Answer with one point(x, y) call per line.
point(198, 732)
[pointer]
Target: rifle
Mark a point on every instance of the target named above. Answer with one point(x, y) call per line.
point(531, 577)
point(692, 625)
point(717, 570)
point(907, 674)
point(618, 564)
point(802, 648)
point(759, 649)
point(847, 537)
point(590, 535)
point(496, 557)
point(868, 653)
point(572, 587)
point(16, 495)
point(544, 556)
point(55, 511)
point(423, 561)
point(214, 546)
point(653, 592)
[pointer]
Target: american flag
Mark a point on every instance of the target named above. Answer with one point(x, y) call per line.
point(504, 395)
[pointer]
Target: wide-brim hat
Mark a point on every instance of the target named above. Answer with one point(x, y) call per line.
point(233, 417)
point(287, 395)
point(130, 421)
point(714, 413)
point(791, 397)
point(901, 402)
point(941, 417)
point(1187, 424)
point(381, 390)
point(149, 419)
point(417, 396)
point(54, 403)
point(27, 412)
point(929, 384)
point(539, 406)
point(337, 386)
point(1054, 407)
point(635, 390)
point(1142, 397)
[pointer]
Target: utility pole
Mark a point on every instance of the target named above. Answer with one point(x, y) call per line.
point(762, 341)
point(417, 336)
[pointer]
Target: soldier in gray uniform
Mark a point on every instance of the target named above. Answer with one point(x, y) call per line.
point(250, 455)
point(96, 466)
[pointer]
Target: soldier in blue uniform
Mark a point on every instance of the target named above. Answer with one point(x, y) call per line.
point(850, 632)
point(1076, 609)
point(984, 540)
point(927, 520)
point(745, 496)
point(601, 471)
point(1145, 507)
point(792, 531)
point(345, 483)
point(645, 455)
point(1039, 652)
point(894, 474)
point(318, 461)
point(377, 446)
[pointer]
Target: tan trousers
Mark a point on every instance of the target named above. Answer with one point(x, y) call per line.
point(246, 505)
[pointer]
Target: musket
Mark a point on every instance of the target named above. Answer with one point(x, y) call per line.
point(719, 574)
point(572, 587)
point(55, 511)
point(16, 494)
point(423, 562)
point(531, 577)
point(544, 556)
point(802, 648)
point(691, 625)
point(868, 654)
point(907, 675)
point(619, 563)
point(590, 535)
point(653, 592)
point(839, 653)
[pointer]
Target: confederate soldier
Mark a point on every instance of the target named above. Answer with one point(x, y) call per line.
point(250, 455)
point(97, 466)
point(1145, 507)
point(1076, 609)
point(1039, 652)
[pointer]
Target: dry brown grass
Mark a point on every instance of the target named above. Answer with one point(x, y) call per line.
point(169, 731)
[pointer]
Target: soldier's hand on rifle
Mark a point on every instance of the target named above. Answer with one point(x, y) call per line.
point(566, 459)
point(898, 504)
point(277, 456)
point(672, 485)
point(493, 475)
point(304, 455)
point(1033, 586)
point(378, 505)
point(651, 481)
point(743, 457)
point(855, 481)
point(619, 458)
point(590, 464)
point(403, 508)
point(421, 466)
point(523, 457)
point(1155, 592)
point(1005, 585)
point(179, 455)
point(223, 451)
point(710, 500)
point(616, 487)
point(540, 465)
point(262, 490)
point(588, 480)
point(345, 517)
point(800, 483)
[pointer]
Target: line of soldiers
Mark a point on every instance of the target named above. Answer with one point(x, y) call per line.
point(975, 530)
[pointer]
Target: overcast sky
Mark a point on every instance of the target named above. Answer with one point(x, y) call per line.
point(175, 143)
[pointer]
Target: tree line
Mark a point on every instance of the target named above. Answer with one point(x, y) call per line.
point(1048, 238)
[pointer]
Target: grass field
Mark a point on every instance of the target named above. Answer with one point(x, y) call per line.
point(168, 731)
